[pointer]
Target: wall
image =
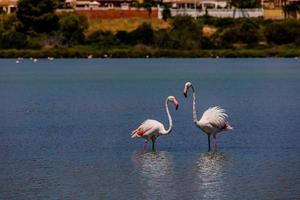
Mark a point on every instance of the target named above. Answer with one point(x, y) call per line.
point(104, 13)
point(236, 13)
point(222, 13)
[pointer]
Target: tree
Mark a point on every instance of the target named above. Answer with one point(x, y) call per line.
point(164, 40)
point(102, 38)
point(10, 36)
point(291, 10)
point(245, 3)
point(72, 28)
point(187, 26)
point(143, 34)
point(12, 39)
point(245, 32)
point(166, 13)
point(283, 32)
point(186, 33)
point(38, 15)
point(122, 37)
point(148, 4)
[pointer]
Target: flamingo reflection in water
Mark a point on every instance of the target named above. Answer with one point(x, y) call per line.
point(211, 170)
point(156, 170)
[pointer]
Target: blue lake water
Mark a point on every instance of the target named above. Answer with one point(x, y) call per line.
point(65, 129)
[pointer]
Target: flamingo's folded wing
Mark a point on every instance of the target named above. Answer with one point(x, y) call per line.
point(144, 129)
point(215, 116)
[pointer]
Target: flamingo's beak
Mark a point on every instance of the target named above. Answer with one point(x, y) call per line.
point(176, 104)
point(185, 92)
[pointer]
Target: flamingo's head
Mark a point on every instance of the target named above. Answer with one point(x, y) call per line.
point(187, 86)
point(174, 101)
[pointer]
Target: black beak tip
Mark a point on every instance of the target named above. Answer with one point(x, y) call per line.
point(176, 107)
point(185, 95)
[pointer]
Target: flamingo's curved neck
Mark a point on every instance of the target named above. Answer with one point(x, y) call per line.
point(194, 105)
point(169, 118)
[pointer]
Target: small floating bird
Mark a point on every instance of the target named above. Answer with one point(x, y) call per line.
point(213, 120)
point(19, 60)
point(152, 129)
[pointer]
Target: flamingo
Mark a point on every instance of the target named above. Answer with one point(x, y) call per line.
point(213, 120)
point(152, 129)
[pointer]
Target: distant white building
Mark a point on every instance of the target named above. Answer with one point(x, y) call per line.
point(214, 4)
point(215, 8)
point(8, 6)
point(200, 4)
point(86, 4)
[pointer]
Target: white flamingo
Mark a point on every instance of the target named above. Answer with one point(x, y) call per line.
point(213, 119)
point(151, 129)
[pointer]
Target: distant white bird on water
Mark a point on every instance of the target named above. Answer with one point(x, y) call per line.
point(19, 59)
point(213, 119)
point(152, 129)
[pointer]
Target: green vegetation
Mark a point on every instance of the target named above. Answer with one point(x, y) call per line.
point(166, 13)
point(36, 31)
point(283, 32)
point(37, 15)
point(291, 10)
point(71, 28)
point(245, 4)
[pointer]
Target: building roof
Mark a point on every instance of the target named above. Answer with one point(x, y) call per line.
point(193, 1)
point(8, 2)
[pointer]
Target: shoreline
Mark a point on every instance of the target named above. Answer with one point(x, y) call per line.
point(149, 53)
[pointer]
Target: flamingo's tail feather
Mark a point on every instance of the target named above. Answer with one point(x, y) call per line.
point(228, 127)
point(134, 133)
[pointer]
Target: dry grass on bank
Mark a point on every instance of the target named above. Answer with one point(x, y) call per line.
point(209, 30)
point(273, 14)
point(128, 25)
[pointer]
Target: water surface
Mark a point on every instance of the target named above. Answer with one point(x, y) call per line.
point(65, 125)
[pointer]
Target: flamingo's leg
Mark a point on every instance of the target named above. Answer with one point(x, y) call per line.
point(145, 144)
point(215, 143)
point(208, 137)
point(153, 144)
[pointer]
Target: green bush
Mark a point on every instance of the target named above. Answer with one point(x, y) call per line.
point(217, 22)
point(11, 39)
point(38, 15)
point(245, 4)
point(72, 28)
point(101, 38)
point(122, 37)
point(166, 13)
point(246, 32)
point(144, 34)
point(162, 39)
point(283, 32)
point(186, 33)
point(10, 36)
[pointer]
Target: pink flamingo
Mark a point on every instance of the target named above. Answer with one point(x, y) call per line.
point(151, 129)
point(213, 119)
